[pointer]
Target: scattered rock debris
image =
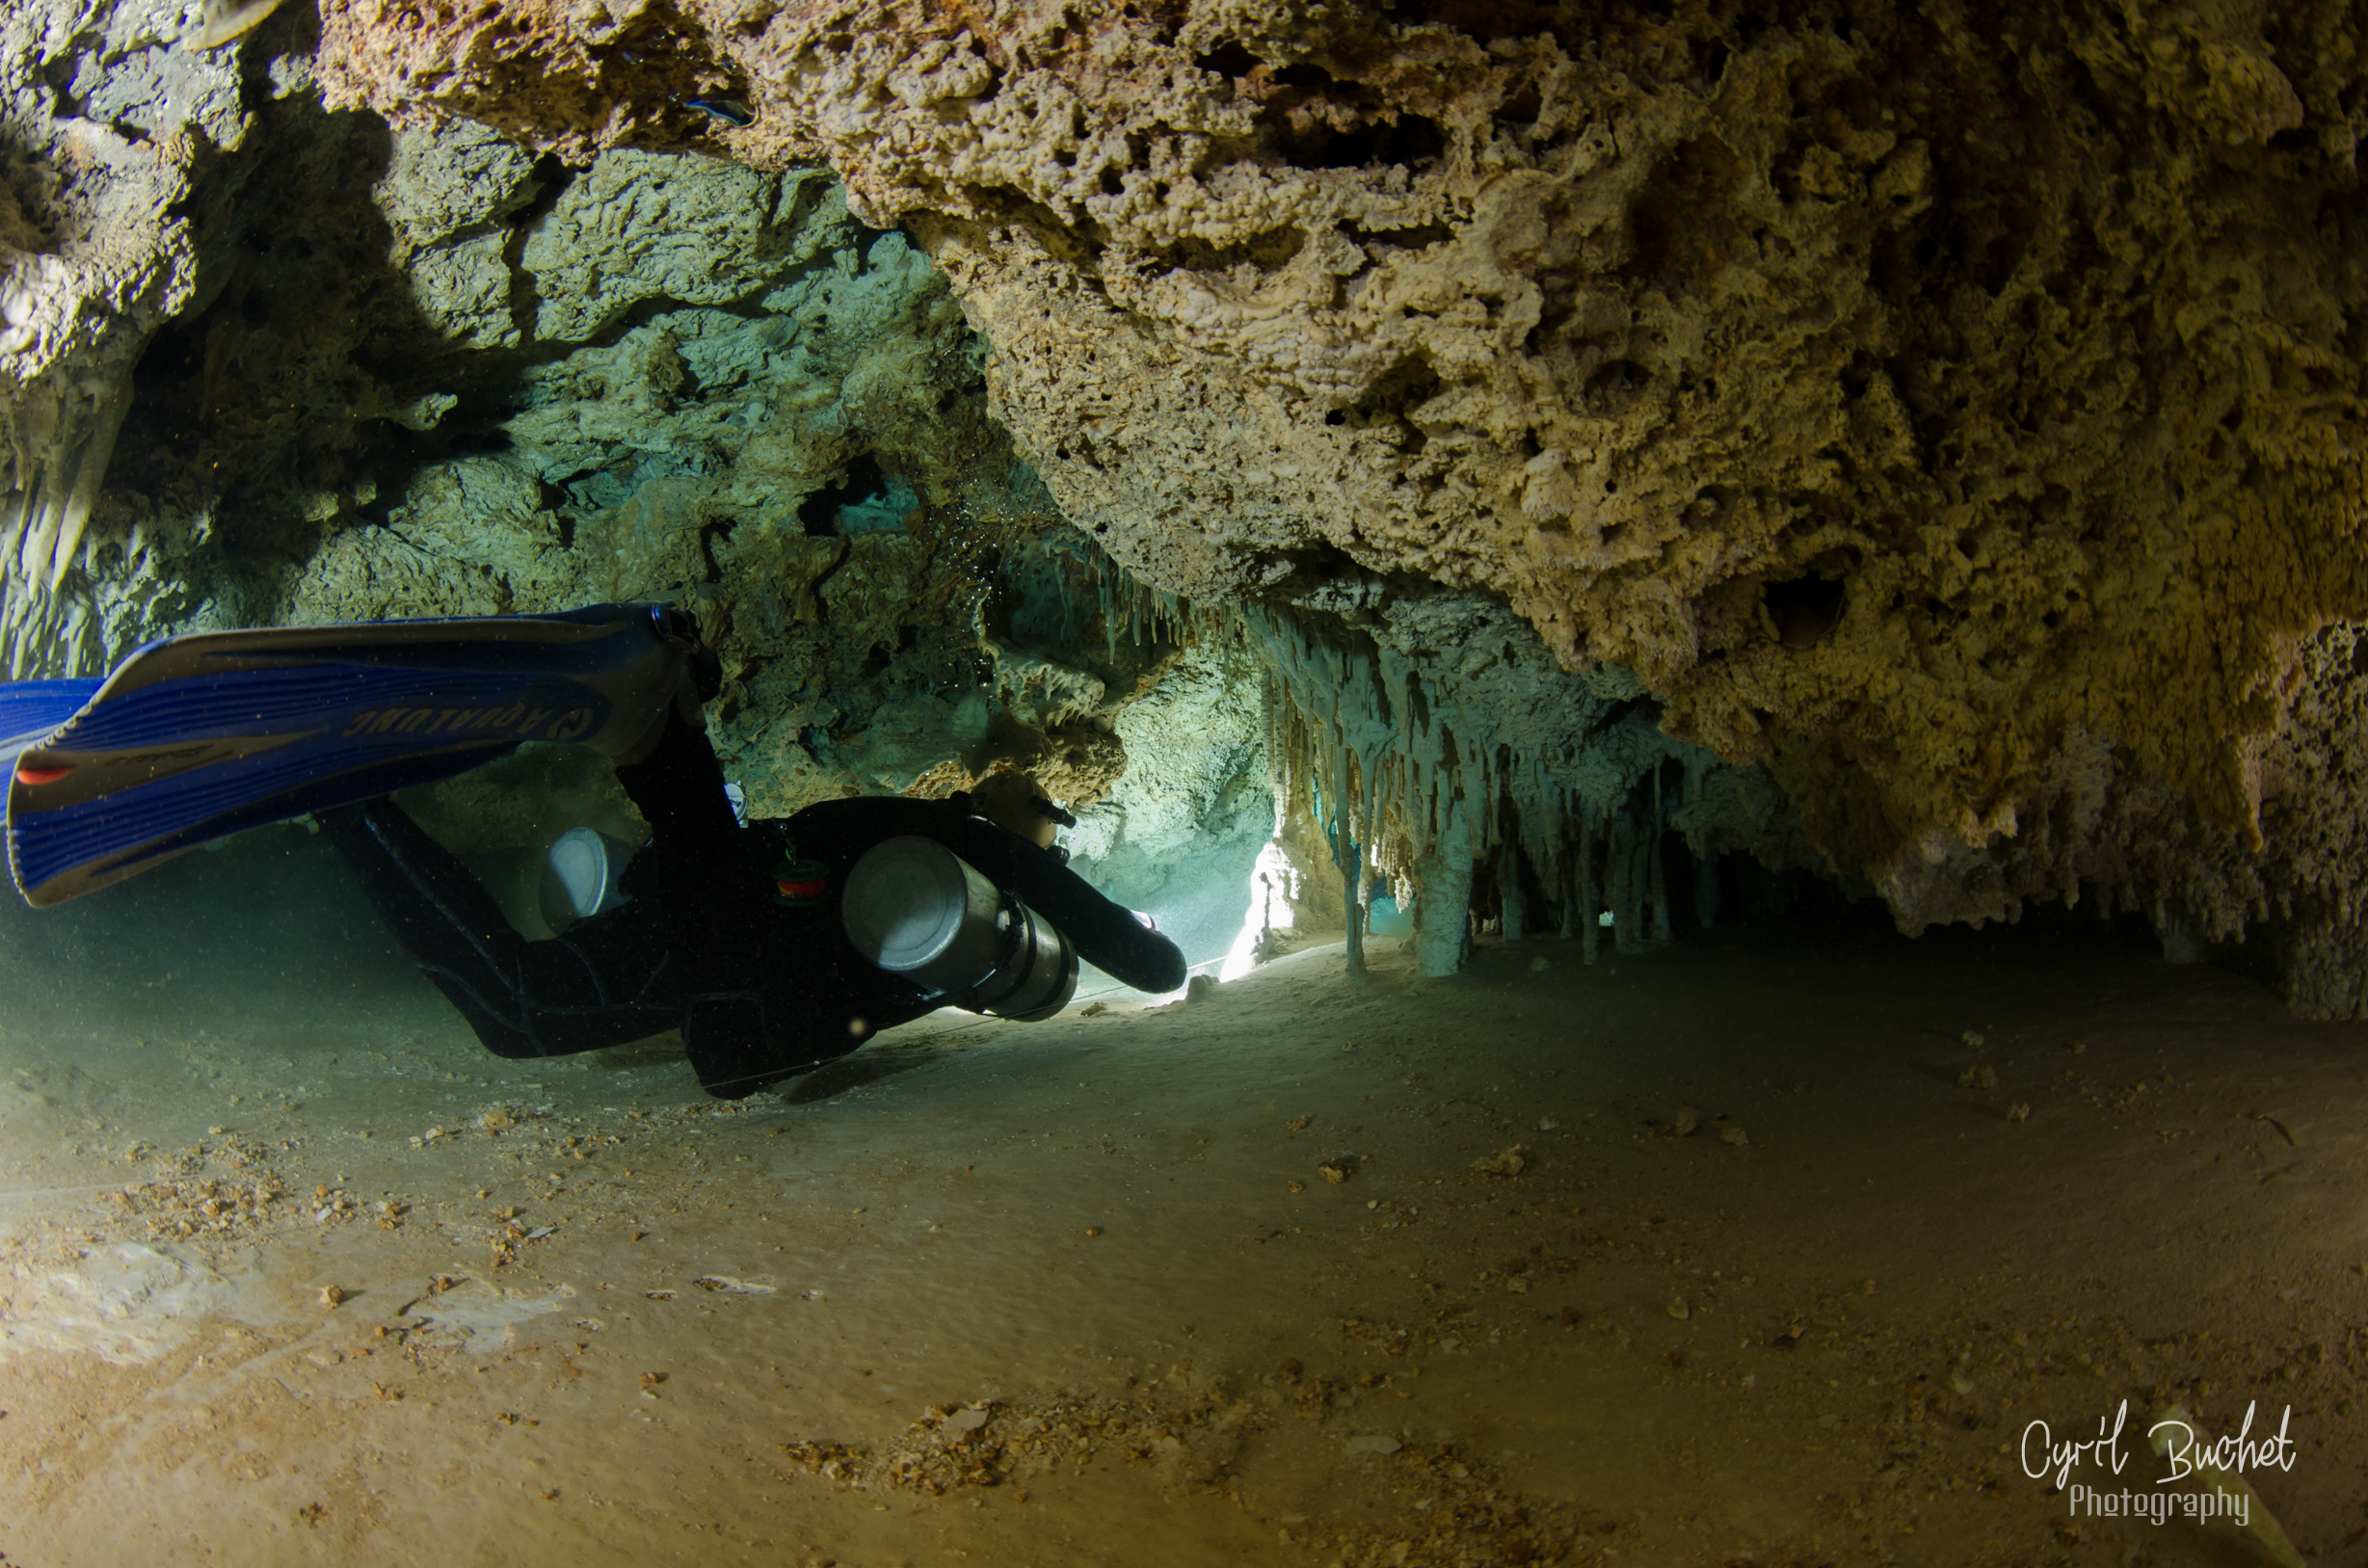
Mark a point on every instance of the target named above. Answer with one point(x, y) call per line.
point(1506, 1162)
point(1338, 1169)
point(1463, 1511)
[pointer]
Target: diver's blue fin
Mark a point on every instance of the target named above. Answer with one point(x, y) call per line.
point(198, 737)
point(29, 709)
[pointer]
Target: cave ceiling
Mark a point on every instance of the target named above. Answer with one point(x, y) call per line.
point(1893, 388)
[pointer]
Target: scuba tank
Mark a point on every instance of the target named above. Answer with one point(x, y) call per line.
point(917, 909)
point(584, 875)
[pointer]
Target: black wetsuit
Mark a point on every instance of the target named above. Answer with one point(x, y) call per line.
point(761, 987)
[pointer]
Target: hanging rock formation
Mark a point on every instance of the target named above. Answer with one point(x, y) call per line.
point(1820, 373)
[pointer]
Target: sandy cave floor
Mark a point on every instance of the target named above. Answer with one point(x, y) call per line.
point(1081, 1293)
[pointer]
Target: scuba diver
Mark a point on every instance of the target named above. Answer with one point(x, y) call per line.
point(774, 946)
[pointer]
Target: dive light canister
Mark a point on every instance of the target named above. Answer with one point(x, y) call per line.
point(917, 909)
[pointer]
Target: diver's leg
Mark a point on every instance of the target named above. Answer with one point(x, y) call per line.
point(713, 897)
point(743, 1026)
point(751, 1013)
point(603, 984)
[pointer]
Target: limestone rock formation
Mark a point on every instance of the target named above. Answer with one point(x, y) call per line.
point(1903, 394)
point(1911, 441)
point(96, 254)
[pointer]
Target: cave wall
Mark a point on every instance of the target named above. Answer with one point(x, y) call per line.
point(1942, 414)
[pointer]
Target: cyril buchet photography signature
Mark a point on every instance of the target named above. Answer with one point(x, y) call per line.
point(2198, 1476)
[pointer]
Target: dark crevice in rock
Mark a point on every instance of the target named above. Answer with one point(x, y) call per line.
point(1269, 252)
point(1413, 237)
point(551, 179)
point(819, 514)
point(1805, 609)
point(1393, 397)
point(1228, 59)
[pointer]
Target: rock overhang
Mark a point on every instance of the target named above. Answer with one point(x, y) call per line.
point(1917, 431)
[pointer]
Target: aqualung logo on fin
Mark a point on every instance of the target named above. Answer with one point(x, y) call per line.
point(518, 718)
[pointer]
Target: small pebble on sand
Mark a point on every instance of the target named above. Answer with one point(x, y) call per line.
point(1509, 1162)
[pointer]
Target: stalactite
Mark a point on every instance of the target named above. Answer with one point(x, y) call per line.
point(1346, 855)
point(1664, 928)
point(1589, 905)
point(1511, 896)
point(74, 514)
point(1443, 923)
point(1566, 891)
point(1403, 763)
point(1620, 880)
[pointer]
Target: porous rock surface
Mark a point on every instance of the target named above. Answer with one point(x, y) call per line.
point(96, 251)
point(1906, 393)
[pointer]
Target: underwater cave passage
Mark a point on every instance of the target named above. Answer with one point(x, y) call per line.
point(1316, 1081)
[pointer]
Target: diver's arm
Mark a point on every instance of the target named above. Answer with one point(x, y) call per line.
point(712, 903)
point(1105, 935)
point(426, 897)
point(1108, 934)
